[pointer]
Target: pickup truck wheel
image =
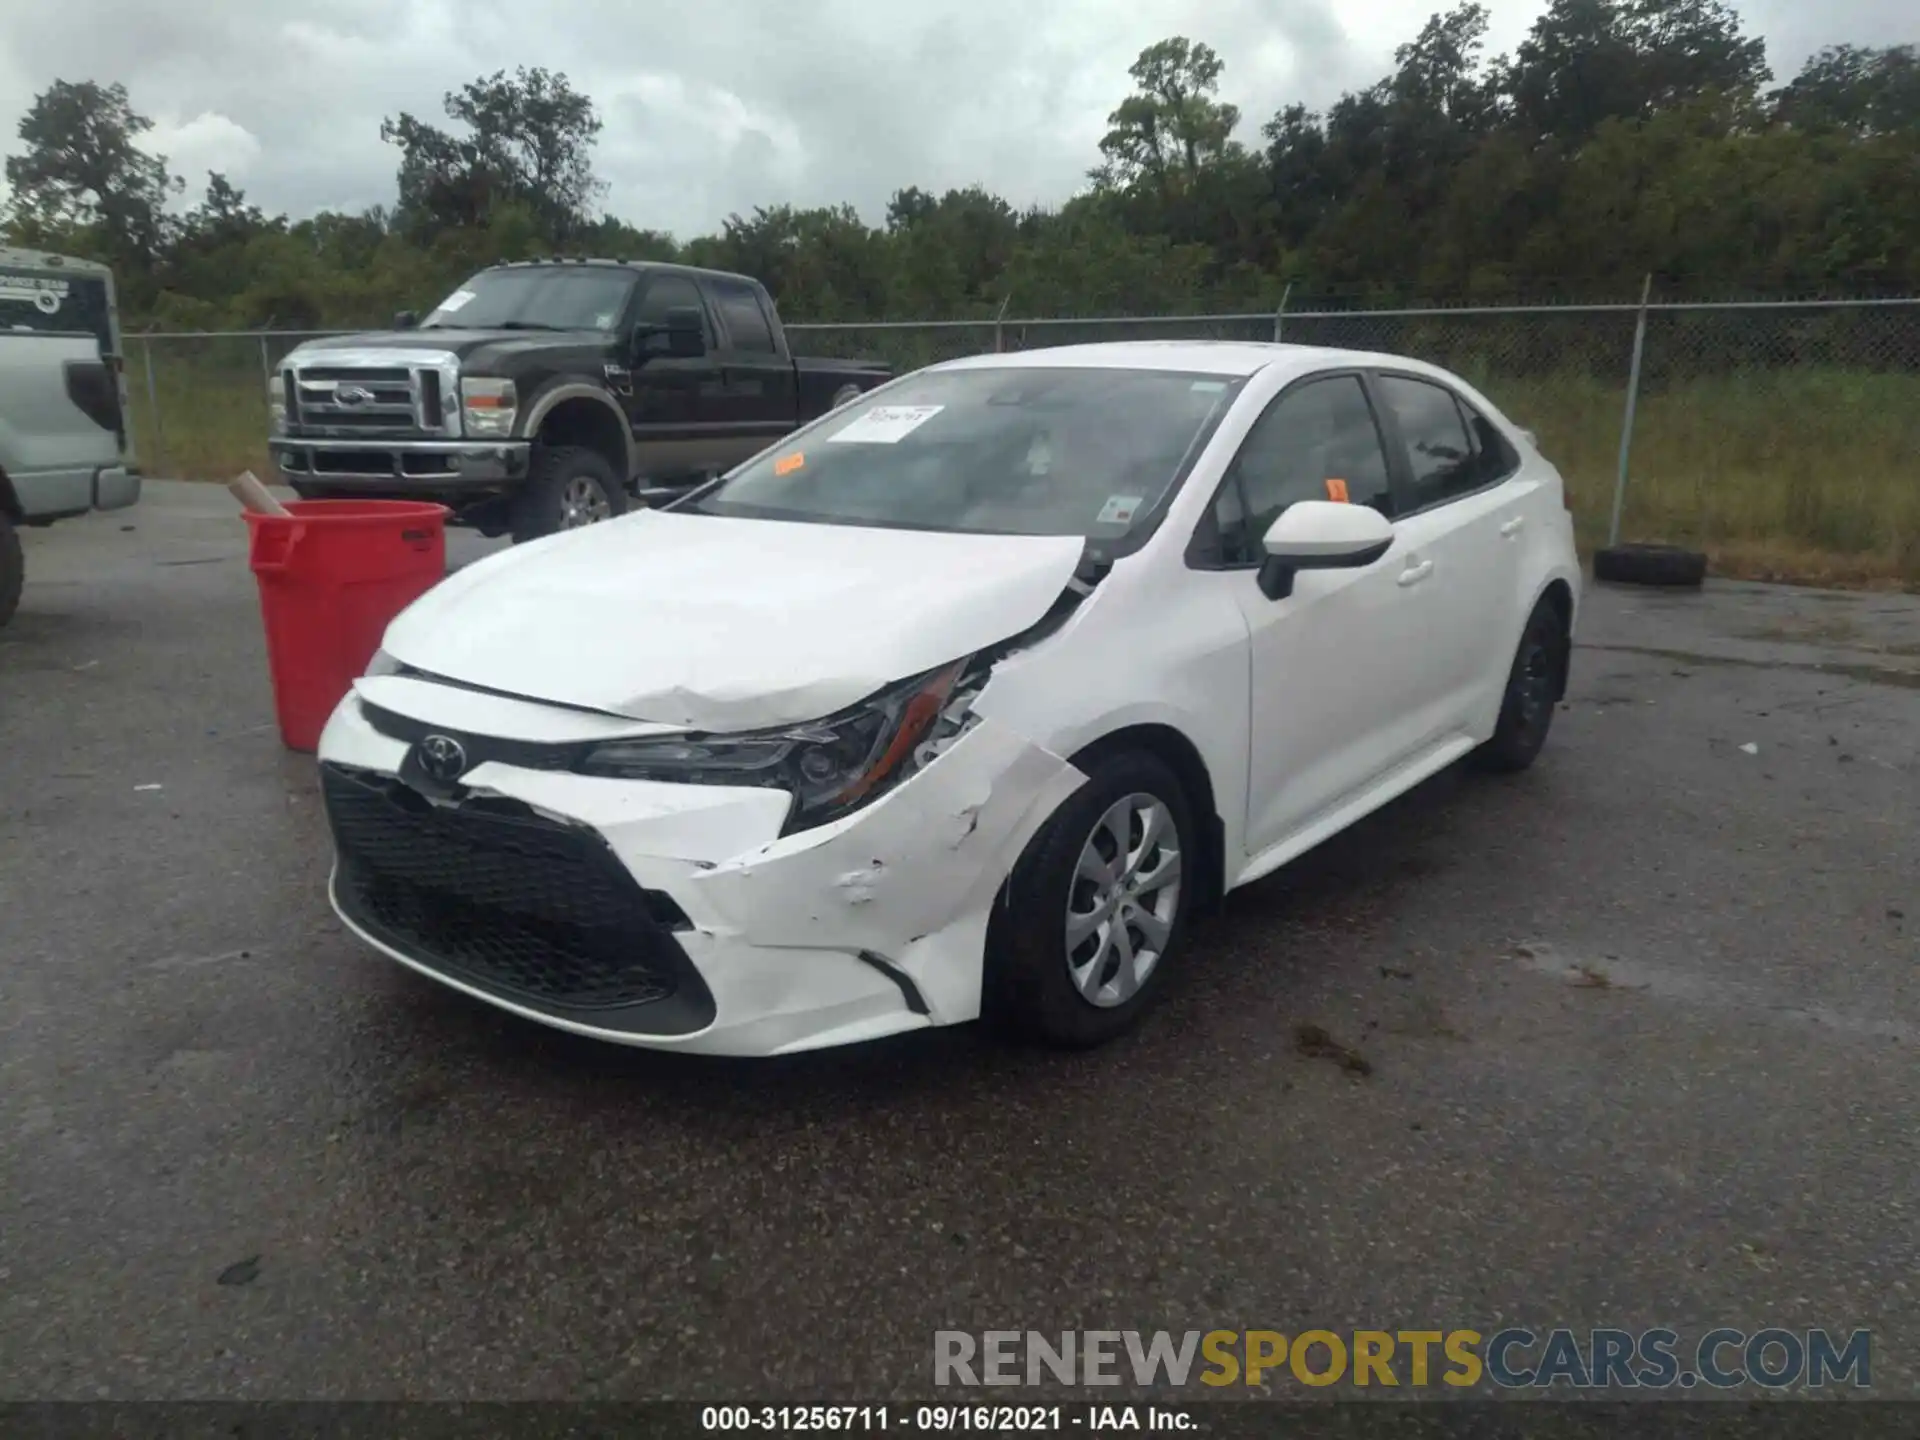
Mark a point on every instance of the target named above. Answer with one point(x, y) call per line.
point(846, 395)
point(13, 569)
point(567, 487)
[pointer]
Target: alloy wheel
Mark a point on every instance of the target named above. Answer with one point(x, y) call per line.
point(583, 502)
point(1123, 900)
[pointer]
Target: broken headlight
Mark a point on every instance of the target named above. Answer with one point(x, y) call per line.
point(829, 766)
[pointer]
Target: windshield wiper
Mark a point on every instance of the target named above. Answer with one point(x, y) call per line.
point(526, 325)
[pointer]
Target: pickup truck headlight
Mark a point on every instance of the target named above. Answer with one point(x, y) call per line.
point(277, 402)
point(829, 767)
point(487, 406)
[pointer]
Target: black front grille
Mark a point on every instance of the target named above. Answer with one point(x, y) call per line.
point(318, 416)
point(525, 754)
point(352, 462)
point(491, 893)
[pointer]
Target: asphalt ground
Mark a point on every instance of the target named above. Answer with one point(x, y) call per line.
point(1637, 1028)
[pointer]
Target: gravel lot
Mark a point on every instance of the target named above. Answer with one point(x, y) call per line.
point(1641, 1027)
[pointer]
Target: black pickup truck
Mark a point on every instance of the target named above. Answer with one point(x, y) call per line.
point(546, 394)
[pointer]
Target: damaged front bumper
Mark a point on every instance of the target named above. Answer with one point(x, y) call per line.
point(677, 916)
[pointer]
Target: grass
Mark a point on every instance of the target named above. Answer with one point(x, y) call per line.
point(1809, 476)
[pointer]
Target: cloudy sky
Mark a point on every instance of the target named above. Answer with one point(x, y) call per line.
point(716, 106)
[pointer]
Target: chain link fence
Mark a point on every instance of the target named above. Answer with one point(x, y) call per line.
point(1783, 435)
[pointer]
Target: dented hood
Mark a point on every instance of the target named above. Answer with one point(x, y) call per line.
point(726, 624)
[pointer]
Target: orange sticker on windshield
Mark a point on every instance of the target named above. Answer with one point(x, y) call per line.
point(787, 464)
point(1337, 491)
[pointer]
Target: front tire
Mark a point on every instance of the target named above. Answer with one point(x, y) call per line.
point(1534, 686)
point(567, 487)
point(1092, 919)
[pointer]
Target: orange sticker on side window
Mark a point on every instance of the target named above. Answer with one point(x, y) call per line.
point(1337, 491)
point(787, 464)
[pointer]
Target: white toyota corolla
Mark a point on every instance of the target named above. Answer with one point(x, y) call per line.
point(961, 700)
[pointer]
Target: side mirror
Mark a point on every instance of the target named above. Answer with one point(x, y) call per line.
point(1321, 535)
point(684, 333)
point(405, 319)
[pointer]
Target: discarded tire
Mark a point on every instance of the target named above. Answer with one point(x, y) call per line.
point(1649, 565)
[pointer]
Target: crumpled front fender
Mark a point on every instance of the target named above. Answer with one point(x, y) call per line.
point(911, 878)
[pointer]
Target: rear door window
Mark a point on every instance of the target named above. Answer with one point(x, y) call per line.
point(1494, 457)
point(740, 313)
point(1441, 461)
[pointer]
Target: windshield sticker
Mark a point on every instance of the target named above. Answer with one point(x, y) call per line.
point(787, 464)
point(1119, 510)
point(456, 301)
point(1337, 491)
point(43, 293)
point(1208, 387)
point(885, 425)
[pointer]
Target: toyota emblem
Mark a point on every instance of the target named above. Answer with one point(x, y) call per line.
point(351, 395)
point(443, 758)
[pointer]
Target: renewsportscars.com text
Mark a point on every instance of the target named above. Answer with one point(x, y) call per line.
point(1601, 1359)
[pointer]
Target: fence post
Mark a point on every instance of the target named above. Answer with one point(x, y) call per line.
point(1633, 399)
point(1280, 314)
point(999, 333)
point(153, 406)
point(266, 364)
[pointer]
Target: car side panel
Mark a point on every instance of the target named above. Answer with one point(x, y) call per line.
point(1085, 682)
point(50, 449)
point(757, 397)
point(1546, 554)
point(1465, 602)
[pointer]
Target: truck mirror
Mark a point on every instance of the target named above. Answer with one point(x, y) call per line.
point(405, 320)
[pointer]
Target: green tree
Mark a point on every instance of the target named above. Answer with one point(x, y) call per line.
point(1861, 90)
point(528, 141)
point(83, 169)
point(1164, 133)
point(1589, 61)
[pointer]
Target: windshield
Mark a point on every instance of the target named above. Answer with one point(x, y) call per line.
point(1003, 451)
point(572, 297)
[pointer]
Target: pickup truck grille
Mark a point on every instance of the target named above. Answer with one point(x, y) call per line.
point(344, 400)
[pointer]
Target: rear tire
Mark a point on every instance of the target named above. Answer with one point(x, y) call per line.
point(567, 487)
point(1093, 917)
point(1534, 685)
point(1667, 565)
point(13, 570)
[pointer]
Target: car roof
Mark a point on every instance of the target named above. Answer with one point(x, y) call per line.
point(13, 258)
point(601, 262)
point(1210, 357)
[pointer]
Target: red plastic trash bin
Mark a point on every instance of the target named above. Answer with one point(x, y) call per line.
point(331, 574)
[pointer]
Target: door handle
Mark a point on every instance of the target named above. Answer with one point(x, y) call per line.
point(1514, 526)
point(1414, 574)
